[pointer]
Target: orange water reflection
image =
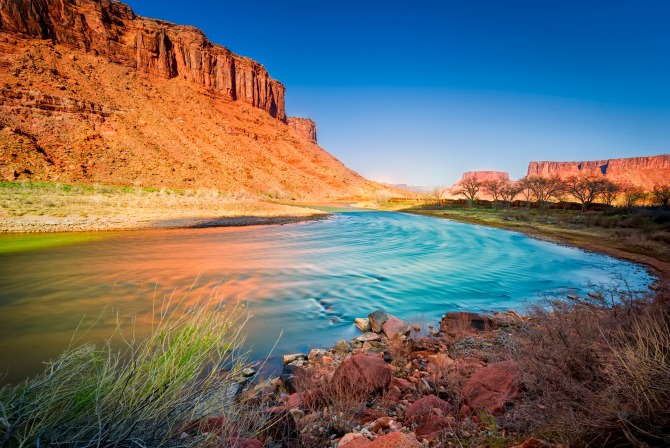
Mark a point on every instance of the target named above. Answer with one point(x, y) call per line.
point(305, 281)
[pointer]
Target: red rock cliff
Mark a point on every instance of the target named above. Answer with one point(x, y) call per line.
point(646, 172)
point(484, 176)
point(305, 126)
point(158, 48)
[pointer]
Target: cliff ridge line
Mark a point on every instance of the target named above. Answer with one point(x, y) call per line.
point(156, 47)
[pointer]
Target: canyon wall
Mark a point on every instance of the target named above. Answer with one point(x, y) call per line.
point(158, 48)
point(645, 172)
point(484, 176)
point(304, 126)
point(88, 95)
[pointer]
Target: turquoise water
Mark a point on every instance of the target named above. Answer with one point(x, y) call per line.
point(305, 281)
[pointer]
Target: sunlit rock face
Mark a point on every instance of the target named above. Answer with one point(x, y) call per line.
point(92, 93)
point(156, 47)
point(304, 126)
point(646, 172)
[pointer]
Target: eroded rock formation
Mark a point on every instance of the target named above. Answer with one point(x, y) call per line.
point(645, 172)
point(92, 93)
point(305, 126)
point(39, 100)
point(162, 49)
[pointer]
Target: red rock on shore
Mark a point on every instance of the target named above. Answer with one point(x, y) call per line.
point(367, 373)
point(491, 387)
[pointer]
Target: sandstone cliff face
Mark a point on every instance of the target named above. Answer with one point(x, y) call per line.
point(69, 116)
point(484, 176)
point(304, 126)
point(38, 100)
point(155, 47)
point(645, 172)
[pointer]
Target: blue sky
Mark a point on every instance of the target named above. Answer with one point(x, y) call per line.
point(419, 92)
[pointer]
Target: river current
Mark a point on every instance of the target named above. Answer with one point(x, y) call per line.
point(305, 282)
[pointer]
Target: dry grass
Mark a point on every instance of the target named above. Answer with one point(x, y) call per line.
point(597, 371)
point(26, 203)
point(333, 407)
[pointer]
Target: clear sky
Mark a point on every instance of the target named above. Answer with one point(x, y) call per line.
point(420, 91)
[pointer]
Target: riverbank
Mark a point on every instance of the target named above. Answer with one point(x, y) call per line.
point(47, 207)
point(581, 372)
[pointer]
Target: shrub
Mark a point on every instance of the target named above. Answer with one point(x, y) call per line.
point(597, 370)
point(382, 197)
point(334, 404)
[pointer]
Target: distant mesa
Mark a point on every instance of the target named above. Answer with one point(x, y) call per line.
point(412, 188)
point(645, 172)
point(483, 176)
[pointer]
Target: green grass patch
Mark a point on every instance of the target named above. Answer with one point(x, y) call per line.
point(10, 244)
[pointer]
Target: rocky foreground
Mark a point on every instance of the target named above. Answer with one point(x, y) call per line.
point(396, 385)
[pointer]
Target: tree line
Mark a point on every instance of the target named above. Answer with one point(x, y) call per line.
point(585, 189)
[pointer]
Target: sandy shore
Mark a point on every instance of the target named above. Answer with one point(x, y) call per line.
point(50, 209)
point(39, 224)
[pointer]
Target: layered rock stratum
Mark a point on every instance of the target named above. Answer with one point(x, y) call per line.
point(304, 126)
point(92, 93)
point(112, 30)
point(645, 172)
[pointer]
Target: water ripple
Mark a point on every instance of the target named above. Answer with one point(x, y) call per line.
point(308, 281)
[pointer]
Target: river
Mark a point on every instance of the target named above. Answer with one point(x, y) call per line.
point(305, 281)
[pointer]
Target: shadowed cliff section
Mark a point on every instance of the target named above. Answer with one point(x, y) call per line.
point(159, 48)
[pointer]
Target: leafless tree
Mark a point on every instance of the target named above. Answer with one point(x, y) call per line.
point(509, 191)
point(661, 195)
point(611, 191)
point(544, 188)
point(494, 187)
point(438, 193)
point(632, 195)
point(469, 188)
point(526, 190)
point(585, 188)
